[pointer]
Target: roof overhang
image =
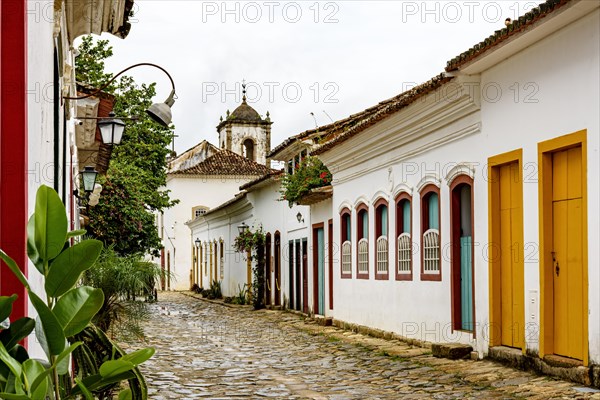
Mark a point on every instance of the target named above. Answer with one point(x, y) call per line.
point(98, 16)
point(532, 34)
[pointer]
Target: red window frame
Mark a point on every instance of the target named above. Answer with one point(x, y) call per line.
point(431, 188)
point(359, 235)
point(343, 238)
point(399, 224)
point(378, 231)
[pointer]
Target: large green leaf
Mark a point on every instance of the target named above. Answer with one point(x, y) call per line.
point(6, 303)
point(78, 232)
point(66, 269)
point(94, 382)
point(13, 365)
point(31, 370)
point(139, 356)
point(112, 368)
point(125, 395)
point(61, 357)
point(49, 332)
point(84, 391)
point(32, 252)
point(76, 308)
point(11, 396)
point(18, 330)
point(12, 265)
point(50, 223)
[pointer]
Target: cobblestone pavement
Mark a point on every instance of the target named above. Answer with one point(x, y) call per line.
point(207, 350)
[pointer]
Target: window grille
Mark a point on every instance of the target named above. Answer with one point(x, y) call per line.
point(347, 257)
point(382, 255)
point(431, 251)
point(404, 253)
point(363, 256)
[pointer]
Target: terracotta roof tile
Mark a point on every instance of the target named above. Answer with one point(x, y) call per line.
point(265, 177)
point(357, 123)
point(516, 27)
point(225, 162)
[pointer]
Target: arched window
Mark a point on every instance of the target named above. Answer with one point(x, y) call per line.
point(362, 236)
point(346, 229)
point(430, 234)
point(249, 149)
point(381, 235)
point(403, 237)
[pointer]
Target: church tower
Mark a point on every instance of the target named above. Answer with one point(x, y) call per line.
point(245, 132)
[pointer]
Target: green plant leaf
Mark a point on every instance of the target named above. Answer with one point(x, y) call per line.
point(49, 331)
point(64, 356)
point(139, 356)
point(125, 395)
point(13, 365)
point(11, 396)
point(86, 393)
point(6, 303)
point(18, 330)
point(32, 252)
point(113, 368)
point(31, 370)
point(12, 265)
point(78, 232)
point(76, 308)
point(94, 382)
point(66, 269)
point(50, 223)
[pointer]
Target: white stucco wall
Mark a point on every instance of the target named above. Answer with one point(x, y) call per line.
point(562, 74)
point(191, 192)
point(557, 80)
point(40, 117)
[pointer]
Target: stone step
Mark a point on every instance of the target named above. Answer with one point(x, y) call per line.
point(453, 351)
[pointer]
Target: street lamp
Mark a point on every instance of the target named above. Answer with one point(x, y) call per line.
point(299, 217)
point(111, 129)
point(88, 177)
point(197, 242)
point(243, 228)
point(159, 112)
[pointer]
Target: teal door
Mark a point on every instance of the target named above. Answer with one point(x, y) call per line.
point(320, 275)
point(466, 282)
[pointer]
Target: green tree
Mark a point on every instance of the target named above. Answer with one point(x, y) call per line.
point(124, 217)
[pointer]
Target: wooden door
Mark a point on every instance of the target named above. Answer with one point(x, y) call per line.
point(567, 253)
point(268, 283)
point(277, 265)
point(511, 256)
point(305, 276)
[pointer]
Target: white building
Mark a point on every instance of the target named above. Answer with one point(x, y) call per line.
point(37, 125)
point(459, 210)
point(205, 176)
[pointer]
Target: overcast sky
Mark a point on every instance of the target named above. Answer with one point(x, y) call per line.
point(331, 58)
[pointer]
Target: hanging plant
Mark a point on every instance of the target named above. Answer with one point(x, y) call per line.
point(253, 243)
point(310, 174)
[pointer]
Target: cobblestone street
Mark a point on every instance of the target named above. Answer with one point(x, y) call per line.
point(206, 350)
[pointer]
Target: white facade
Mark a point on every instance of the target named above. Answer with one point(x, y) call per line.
point(192, 191)
point(538, 87)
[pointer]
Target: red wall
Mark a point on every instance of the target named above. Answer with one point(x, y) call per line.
point(13, 145)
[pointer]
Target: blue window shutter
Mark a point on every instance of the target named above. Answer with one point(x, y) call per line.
point(365, 225)
point(406, 217)
point(434, 218)
point(384, 220)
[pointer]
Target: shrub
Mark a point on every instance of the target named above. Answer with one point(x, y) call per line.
point(311, 174)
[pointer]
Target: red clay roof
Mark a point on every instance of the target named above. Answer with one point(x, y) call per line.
point(357, 123)
point(225, 162)
point(516, 27)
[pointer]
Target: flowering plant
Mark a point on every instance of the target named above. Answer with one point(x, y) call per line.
point(311, 174)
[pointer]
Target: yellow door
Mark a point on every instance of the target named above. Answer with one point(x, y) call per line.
point(511, 256)
point(567, 253)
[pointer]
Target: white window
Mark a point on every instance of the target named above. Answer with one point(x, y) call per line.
point(363, 256)
point(431, 251)
point(347, 257)
point(382, 255)
point(404, 253)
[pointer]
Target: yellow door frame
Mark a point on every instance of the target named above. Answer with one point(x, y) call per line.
point(495, 317)
point(545, 150)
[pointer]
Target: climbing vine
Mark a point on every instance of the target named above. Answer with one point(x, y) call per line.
point(253, 243)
